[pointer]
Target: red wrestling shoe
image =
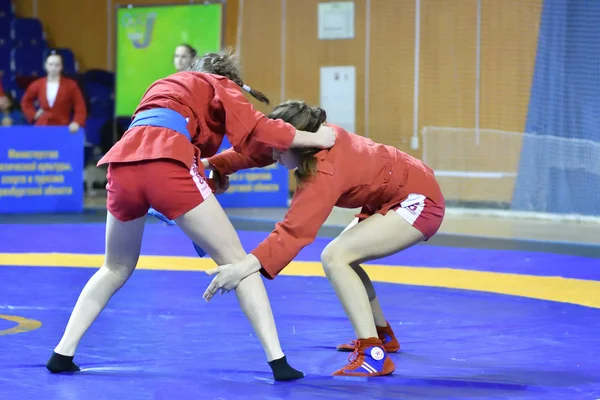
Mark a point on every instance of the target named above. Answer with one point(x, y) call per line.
point(387, 337)
point(368, 359)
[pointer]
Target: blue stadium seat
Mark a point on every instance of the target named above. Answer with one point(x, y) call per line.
point(93, 129)
point(100, 76)
point(28, 32)
point(101, 107)
point(69, 63)
point(5, 22)
point(5, 38)
point(5, 69)
point(7, 81)
point(97, 91)
point(5, 43)
point(6, 10)
point(27, 62)
point(18, 94)
point(10, 85)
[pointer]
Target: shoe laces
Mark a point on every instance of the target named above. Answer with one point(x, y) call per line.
point(353, 358)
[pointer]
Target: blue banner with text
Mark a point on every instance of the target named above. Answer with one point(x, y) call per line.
point(256, 187)
point(41, 170)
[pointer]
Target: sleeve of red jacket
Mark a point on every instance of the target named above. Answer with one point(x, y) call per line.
point(27, 102)
point(311, 205)
point(245, 125)
point(230, 161)
point(1, 90)
point(80, 111)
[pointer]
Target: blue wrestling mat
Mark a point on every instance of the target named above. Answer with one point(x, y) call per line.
point(471, 323)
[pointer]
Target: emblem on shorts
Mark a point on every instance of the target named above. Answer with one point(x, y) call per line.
point(413, 207)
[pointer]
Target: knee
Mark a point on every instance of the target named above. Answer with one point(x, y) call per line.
point(120, 273)
point(334, 256)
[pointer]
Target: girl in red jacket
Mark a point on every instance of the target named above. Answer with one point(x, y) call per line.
point(60, 99)
point(402, 205)
point(155, 164)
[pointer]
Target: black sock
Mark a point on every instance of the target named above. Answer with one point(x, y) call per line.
point(282, 371)
point(59, 363)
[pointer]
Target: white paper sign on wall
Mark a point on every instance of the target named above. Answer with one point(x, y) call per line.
point(336, 20)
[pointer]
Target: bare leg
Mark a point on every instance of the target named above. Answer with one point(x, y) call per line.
point(223, 245)
point(378, 316)
point(376, 237)
point(123, 244)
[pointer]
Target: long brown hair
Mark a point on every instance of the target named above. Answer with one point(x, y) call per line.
point(226, 63)
point(303, 118)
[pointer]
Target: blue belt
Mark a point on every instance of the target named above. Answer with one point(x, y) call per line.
point(165, 118)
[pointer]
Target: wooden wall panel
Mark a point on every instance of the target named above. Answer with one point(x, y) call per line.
point(447, 79)
point(261, 49)
point(231, 18)
point(447, 63)
point(447, 89)
point(391, 77)
point(509, 34)
point(24, 8)
point(78, 25)
point(306, 54)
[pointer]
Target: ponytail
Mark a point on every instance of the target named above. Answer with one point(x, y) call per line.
point(260, 96)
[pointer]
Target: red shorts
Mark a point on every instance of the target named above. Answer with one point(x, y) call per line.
point(422, 213)
point(166, 185)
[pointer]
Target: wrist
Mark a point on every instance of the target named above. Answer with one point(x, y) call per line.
point(252, 264)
